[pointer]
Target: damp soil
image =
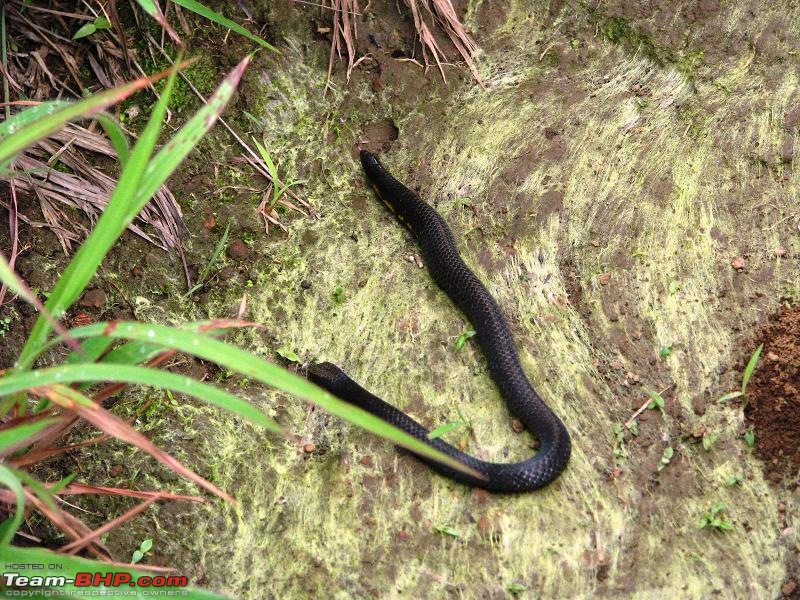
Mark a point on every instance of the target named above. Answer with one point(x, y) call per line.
point(626, 186)
point(773, 397)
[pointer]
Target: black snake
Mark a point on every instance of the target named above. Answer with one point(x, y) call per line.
point(462, 286)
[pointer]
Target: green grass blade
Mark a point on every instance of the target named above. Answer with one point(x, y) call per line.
point(117, 137)
point(134, 353)
point(209, 14)
point(256, 368)
point(102, 372)
point(16, 435)
point(9, 527)
point(36, 129)
point(30, 115)
point(446, 428)
point(751, 366)
point(173, 153)
point(93, 349)
point(63, 483)
point(218, 250)
point(68, 566)
point(114, 220)
point(125, 353)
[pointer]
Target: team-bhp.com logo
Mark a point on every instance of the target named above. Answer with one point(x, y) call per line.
point(91, 584)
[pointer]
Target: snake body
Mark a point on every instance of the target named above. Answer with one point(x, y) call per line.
point(441, 256)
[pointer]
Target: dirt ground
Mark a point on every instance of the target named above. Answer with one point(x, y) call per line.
point(626, 185)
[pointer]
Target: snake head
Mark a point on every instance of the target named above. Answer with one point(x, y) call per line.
point(327, 375)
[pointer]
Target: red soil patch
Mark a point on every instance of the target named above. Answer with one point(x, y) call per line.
point(774, 393)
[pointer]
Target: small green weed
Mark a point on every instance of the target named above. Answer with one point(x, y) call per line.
point(143, 549)
point(515, 588)
point(735, 479)
point(657, 401)
point(666, 457)
point(447, 530)
point(462, 422)
point(338, 294)
point(100, 23)
point(278, 188)
point(746, 376)
point(750, 438)
point(218, 250)
point(288, 354)
point(714, 519)
point(462, 339)
point(709, 439)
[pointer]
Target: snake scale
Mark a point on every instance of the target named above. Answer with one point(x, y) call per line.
point(440, 253)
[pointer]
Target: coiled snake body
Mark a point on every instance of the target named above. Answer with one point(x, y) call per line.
point(462, 286)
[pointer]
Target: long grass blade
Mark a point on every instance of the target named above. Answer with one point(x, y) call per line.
point(117, 137)
point(37, 127)
point(138, 182)
point(259, 369)
point(9, 527)
point(16, 436)
point(211, 15)
point(109, 227)
point(175, 151)
point(102, 372)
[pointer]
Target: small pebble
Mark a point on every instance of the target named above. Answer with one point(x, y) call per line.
point(309, 448)
point(738, 263)
point(93, 299)
point(238, 250)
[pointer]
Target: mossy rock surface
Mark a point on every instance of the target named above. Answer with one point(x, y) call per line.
point(601, 185)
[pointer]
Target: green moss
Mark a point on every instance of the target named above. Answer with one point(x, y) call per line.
point(618, 31)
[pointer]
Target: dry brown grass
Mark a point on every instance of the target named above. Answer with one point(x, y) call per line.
point(43, 62)
point(429, 16)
